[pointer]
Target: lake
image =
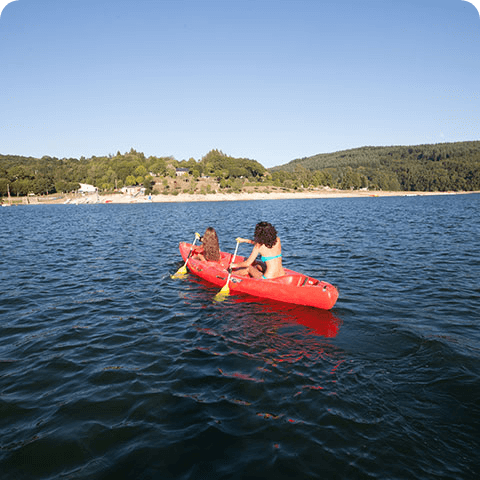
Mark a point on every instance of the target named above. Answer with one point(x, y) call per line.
point(110, 369)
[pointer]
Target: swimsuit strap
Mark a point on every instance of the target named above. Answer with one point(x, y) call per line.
point(266, 259)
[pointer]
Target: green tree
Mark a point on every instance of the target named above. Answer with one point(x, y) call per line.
point(4, 182)
point(148, 183)
point(140, 171)
point(159, 167)
point(131, 180)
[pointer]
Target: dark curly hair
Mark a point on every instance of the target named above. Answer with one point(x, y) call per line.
point(265, 234)
point(210, 245)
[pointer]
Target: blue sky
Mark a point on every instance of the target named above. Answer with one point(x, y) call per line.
point(270, 80)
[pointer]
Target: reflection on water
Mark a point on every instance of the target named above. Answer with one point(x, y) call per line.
point(284, 350)
point(320, 322)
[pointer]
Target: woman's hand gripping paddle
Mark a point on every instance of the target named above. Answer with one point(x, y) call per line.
point(183, 270)
point(225, 291)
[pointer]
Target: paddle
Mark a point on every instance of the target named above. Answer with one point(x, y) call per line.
point(183, 270)
point(225, 291)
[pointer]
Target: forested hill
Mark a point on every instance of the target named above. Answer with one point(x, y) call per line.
point(442, 166)
point(367, 156)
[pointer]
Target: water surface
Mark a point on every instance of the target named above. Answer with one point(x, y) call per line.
point(111, 369)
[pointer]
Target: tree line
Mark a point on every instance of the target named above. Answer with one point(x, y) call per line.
point(46, 175)
point(439, 167)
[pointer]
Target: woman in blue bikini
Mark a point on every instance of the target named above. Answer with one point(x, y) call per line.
point(268, 245)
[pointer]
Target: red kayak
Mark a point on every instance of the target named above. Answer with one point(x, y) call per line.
point(293, 287)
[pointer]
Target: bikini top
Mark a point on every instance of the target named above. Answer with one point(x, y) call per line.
point(266, 259)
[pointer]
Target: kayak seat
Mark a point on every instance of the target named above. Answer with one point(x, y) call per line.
point(295, 280)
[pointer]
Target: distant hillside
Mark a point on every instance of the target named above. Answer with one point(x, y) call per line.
point(370, 156)
point(435, 167)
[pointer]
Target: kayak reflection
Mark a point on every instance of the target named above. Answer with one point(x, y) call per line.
point(320, 322)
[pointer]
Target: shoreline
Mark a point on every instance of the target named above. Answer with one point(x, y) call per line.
point(222, 197)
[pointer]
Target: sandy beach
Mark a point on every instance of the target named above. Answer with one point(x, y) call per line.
point(217, 197)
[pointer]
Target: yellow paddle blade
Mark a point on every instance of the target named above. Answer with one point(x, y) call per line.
point(222, 294)
point(225, 290)
point(177, 275)
point(180, 272)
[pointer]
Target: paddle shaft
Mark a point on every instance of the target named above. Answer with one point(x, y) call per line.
point(230, 267)
point(191, 250)
point(183, 269)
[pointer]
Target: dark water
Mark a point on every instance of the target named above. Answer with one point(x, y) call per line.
point(109, 369)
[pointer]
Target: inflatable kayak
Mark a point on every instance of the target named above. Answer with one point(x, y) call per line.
point(293, 287)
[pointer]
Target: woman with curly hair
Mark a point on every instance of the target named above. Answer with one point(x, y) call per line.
point(267, 244)
point(210, 249)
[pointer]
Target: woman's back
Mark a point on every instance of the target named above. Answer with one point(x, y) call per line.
point(272, 257)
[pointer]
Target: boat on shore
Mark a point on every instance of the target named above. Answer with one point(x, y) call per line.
point(293, 287)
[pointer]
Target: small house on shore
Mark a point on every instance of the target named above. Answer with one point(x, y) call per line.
point(180, 172)
point(87, 188)
point(133, 190)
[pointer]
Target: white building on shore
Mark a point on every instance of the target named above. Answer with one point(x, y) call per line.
point(86, 188)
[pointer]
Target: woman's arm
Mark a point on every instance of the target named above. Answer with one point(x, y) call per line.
point(249, 260)
point(244, 240)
